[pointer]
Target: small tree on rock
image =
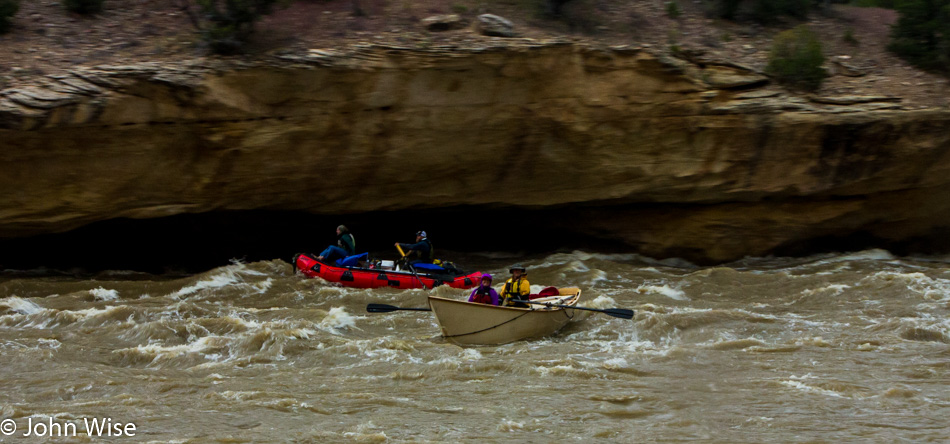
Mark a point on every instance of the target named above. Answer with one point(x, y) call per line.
point(7, 9)
point(796, 59)
point(762, 11)
point(226, 25)
point(554, 7)
point(922, 33)
point(83, 6)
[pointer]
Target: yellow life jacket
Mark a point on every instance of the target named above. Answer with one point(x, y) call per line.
point(513, 289)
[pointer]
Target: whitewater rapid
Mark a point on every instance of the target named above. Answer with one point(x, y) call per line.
point(837, 347)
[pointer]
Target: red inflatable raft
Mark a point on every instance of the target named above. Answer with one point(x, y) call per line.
point(375, 278)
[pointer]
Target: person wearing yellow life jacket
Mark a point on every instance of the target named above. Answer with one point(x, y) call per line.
point(517, 287)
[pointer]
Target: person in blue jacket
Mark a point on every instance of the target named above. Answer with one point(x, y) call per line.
point(422, 249)
point(345, 246)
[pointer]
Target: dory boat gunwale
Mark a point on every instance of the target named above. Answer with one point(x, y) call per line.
point(482, 324)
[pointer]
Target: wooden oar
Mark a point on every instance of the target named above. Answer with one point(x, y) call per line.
point(411, 268)
point(383, 308)
point(621, 313)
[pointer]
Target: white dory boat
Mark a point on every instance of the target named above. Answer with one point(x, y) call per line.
point(471, 323)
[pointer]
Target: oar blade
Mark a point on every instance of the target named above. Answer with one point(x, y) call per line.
point(380, 308)
point(621, 313)
point(383, 308)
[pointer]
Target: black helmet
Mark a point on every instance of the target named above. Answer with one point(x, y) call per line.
point(421, 233)
point(517, 267)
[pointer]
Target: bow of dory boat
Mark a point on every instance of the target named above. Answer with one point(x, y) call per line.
point(471, 323)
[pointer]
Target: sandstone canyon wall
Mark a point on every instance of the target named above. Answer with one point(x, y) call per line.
point(697, 158)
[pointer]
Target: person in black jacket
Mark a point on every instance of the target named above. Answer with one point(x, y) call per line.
point(422, 249)
point(345, 246)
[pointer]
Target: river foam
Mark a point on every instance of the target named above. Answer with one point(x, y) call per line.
point(754, 351)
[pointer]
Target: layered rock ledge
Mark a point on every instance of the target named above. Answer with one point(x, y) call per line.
point(671, 156)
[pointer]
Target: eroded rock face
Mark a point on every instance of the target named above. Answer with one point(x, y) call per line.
point(448, 22)
point(493, 25)
point(698, 160)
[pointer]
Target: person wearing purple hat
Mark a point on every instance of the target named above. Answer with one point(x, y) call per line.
point(484, 294)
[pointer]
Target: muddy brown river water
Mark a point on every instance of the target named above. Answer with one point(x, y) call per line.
point(831, 348)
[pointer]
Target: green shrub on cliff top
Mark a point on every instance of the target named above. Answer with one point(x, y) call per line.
point(762, 11)
point(83, 6)
point(673, 10)
point(922, 33)
point(796, 59)
point(874, 3)
point(554, 8)
point(7, 9)
point(226, 25)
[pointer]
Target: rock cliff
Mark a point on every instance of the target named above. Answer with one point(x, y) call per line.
point(672, 156)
